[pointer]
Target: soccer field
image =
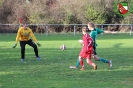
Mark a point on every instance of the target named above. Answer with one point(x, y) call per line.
point(53, 70)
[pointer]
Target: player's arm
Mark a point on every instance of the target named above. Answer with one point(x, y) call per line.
point(109, 32)
point(81, 42)
point(34, 38)
point(17, 38)
point(18, 35)
point(100, 31)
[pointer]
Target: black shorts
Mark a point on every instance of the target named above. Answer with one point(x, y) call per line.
point(29, 42)
point(94, 48)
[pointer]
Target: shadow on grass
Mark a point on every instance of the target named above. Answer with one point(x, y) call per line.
point(117, 45)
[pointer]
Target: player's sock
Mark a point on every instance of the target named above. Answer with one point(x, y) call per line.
point(104, 60)
point(90, 63)
point(82, 64)
point(77, 63)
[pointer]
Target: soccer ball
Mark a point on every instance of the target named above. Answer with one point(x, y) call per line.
point(63, 47)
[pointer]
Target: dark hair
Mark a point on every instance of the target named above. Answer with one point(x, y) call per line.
point(25, 24)
point(84, 28)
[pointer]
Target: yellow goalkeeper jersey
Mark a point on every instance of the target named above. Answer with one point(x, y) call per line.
point(25, 35)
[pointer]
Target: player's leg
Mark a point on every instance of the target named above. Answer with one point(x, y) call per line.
point(88, 60)
point(32, 44)
point(101, 59)
point(109, 62)
point(22, 45)
point(81, 63)
point(91, 63)
point(77, 64)
point(95, 54)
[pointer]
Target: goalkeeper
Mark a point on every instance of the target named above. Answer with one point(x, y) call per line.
point(23, 35)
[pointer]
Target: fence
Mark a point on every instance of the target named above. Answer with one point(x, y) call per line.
point(74, 28)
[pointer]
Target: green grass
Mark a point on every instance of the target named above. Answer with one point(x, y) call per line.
point(53, 70)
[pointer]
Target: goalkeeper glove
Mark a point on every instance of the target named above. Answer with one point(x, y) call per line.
point(38, 44)
point(14, 45)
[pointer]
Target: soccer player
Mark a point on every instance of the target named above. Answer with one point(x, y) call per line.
point(94, 32)
point(86, 50)
point(23, 35)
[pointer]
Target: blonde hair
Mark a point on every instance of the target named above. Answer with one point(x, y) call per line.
point(91, 24)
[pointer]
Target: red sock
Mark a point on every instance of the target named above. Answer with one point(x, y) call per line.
point(82, 64)
point(90, 63)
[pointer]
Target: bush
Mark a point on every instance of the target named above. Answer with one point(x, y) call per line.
point(60, 12)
